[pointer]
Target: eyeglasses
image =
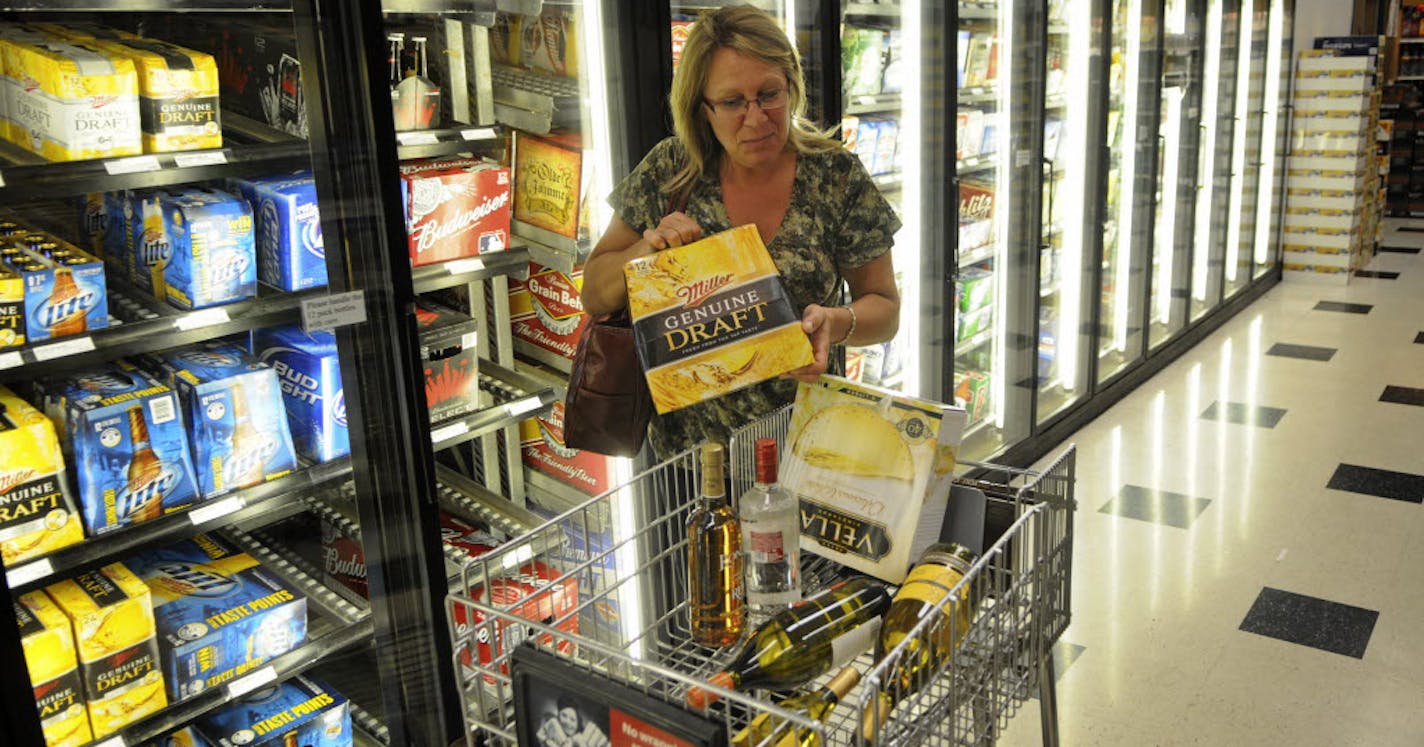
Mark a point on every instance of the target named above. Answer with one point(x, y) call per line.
point(738, 106)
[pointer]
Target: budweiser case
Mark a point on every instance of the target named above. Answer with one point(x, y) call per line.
point(124, 432)
point(301, 711)
point(345, 560)
point(290, 251)
point(37, 513)
point(455, 208)
point(519, 594)
point(447, 351)
point(219, 613)
point(48, 642)
point(310, 376)
point(546, 315)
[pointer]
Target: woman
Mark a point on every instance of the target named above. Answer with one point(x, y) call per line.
point(743, 153)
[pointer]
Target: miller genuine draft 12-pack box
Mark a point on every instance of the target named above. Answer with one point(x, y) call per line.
point(48, 642)
point(37, 513)
point(711, 317)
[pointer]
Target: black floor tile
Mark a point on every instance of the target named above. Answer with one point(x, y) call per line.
point(1403, 395)
point(1156, 506)
point(1400, 249)
point(1412, 229)
point(1243, 414)
point(1348, 308)
point(1317, 623)
point(1400, 486)
point(1376, 274)
point(1419, 339)
point(1308, 352)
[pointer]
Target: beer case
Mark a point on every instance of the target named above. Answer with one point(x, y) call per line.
point(221, 386)
point(96, 220)
point(188, 736)
point(546, 315)
point(219, 613)
point(147, 247)
point(535, 591)
point(97, 412)
point(712, 317)
point(451, 362)
point(310, 376)
point(549, 42)
point(290, 252)
point(541, 445)
point(37, 513)
point(214, 252)
point(48, 643)
point(12, 308)
point(317, 715)
point(62, 300)
point(455, 208)
point(12, 88)
point(551, 184)
point(259, 69)
point(344, 560)
point(75, 101)
point(112, 619)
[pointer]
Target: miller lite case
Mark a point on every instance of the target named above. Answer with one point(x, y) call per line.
point(237, 424)
point(455, 208)
point(126, 430)
point(112, 620)
point(219, 613)
point(37, 513)
point(64, 288)
point(214, 252)
point(147, 246)
point(310, 375)
point(48, 643)
point(290, 252)
point(301, 711)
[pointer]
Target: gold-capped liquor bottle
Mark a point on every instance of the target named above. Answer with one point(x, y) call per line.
point(716, 597)
point(145, 469)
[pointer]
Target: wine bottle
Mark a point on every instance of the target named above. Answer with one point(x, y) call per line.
point(714, 559)
point(927, 588)
point(770, 537)
point(799, 644)
point(815, 705)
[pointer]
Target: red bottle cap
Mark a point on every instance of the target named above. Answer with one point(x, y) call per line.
point(766, 452)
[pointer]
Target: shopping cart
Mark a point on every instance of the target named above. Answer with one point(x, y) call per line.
point(626, 550)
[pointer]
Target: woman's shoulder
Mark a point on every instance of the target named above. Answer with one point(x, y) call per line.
point(668, 153)
point(836, 166)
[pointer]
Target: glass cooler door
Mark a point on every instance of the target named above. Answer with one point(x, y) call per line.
point(1214, 171)
point(1246, 157)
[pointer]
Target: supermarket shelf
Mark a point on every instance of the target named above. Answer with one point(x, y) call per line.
point(975, 341)
point(517, 398)
point(270, 501)
point(551, 249)
point(475, 11)
point(873, 9)
point(979, 95)
point(167, 328)
point(975, 427)
point(869, 104)
point(890, 182)
point(1048, 290)
point(1410, 77)
point(973, 164)
point(978, 254)
point(431, 143)
point(469, 500)
point(978, 11)
point(218, 6)
point(1412, 40)
point(511, 261)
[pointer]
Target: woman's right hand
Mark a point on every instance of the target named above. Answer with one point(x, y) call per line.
point(675, 229)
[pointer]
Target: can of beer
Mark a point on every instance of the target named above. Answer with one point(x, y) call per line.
point(71, 259)
point(48, 248)
point(30, 265)
point(34, 240)
point(9, 228)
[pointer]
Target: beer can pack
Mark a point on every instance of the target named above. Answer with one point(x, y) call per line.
point(214, 253)
point(10, 88)
point(74, 102)
point(37, 513)
point(290, 252)
point(94, 220)
point(302, 710)
point(447, 353)
point(63, 296)
point(12, 308)
point(219, 613)
point(310, 376)
point(126, 429)
point(237, 424)
point(455, 208)
point(48, 642)
point(112, 618)
point(146, 247)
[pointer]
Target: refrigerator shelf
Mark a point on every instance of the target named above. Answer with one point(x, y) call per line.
point(891, 182)
point(982, 162)
point(511, 261)
point(976, 426)
point(875, 10)
point(469, 500)
point(978, 254)
point(551, 249)
point(226, 6)
point(517, 398)
point(446, 142)
point(873, 103)
point(480, 12)
point(975, 341)
point(979, 95)
point(1048, 290)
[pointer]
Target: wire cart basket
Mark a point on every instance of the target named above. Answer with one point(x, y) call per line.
point(625, 551)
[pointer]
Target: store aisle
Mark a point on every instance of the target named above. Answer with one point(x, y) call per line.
point(1249, 566)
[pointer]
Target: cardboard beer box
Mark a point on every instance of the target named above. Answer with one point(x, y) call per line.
point(147, 243)
point(310, 376)
point(220, 614)
point(188, 736)
point(126, 430)
point(74, 101)
point(237, 422)
point(871, 468)
point(541, 444)
point(12, 308)
point(214, 254)
point(536, 592)
point(300, 711)
point(37, 514)
point(112, 619)
point(259, 68)
point(48, 643)
point(549, 42)
point(290, 252)
point(64, 294)
point(551, 184)
point(455, 208)
point(447, 352)
point(546, 315)
point(12, 88)
point(344, 559)
point(712, 317)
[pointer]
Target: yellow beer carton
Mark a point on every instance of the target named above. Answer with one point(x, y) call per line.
point(37, 513)
point(74, 101)
point(49, 655)
point(113, 624)
point(711, 317)
point(12, 308)
point(10, 88)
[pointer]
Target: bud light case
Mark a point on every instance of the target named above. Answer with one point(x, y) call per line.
point(214, 253)
point(237, 424)
point(104, 415)
point(310, 376)
point(220, 614)
point(290, 252)
point(318, 716)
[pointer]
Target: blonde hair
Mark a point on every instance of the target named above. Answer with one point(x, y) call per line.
point(750, 32)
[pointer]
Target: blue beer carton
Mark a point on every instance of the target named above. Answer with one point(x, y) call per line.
point(237, 424)
point(290, 252)
point(310, 375)
point(220, 614)
point(214, 253)
point(64, 294)
point(317, 714)
point(148, 246)
point(188, 736)
point(123, 431)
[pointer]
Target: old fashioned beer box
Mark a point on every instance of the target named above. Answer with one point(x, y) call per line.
point(546, 315)
point(711, 317)
point(871, 468)
point(455, 208)
point(37, 513)
point(48, 642)
point(551, 185)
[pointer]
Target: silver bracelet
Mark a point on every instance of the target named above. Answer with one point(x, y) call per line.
point(851, 330)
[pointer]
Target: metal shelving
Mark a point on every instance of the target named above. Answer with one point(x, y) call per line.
point(446, 142)
point(516, 396)
point(511, 261)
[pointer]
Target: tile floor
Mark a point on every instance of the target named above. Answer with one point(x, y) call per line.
point(1249, 556)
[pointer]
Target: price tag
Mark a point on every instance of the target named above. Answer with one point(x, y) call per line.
point(134, 165)
point(515, 409)
point(117, 741)
point(10, 360)
point(461, 266)
point(61, 349)
point(867, 100)
point(335, 310)
point(479, 133)
point(200, 319)
point(417, 138)
point(201, 158)
point(29, 572)
point(216, 510)
point(449, 432)
point(261, 678)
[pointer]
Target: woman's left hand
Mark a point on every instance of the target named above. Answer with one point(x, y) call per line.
point(816, 323)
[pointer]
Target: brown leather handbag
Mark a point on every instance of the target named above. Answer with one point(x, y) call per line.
point(608, 406)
